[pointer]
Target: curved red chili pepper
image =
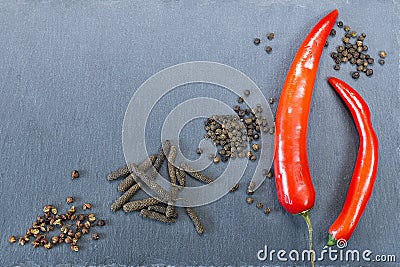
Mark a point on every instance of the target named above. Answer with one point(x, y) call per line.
point(293, 181)
point(366, 167)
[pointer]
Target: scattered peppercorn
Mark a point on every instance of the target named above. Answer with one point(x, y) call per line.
point(249, 200)
point(240, 100)
point(382, 54)
point(257, 41)
point(255, 147)
point(86, 206)
point(70, 200)
point(270, 36)
point(346, 28)
point(272, 100)
point(260, 205)
point(369, 72)
point(333, 33)
point(21, 241)
point(101, 223)
point(336, 67)
point(216, 160)
point(75, 174)
point(355, 75)
point(95, 236)
point(340, 24)
point(246, 92)
point(381, 61)
point(12, 239)
point(268, 49)
point(267, 210)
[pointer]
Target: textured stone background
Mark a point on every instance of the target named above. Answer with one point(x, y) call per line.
point(69, 68)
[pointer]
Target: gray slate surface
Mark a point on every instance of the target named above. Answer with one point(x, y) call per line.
point(69, 68)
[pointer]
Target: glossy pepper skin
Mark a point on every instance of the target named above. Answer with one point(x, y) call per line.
point(366, 167)
point(292, 175)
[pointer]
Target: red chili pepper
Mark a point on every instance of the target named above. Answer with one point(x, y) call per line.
point(293, 180)
point(366, 167)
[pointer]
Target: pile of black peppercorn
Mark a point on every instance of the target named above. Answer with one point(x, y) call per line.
point(353, 50)
point(38, 234)
point(232, 134)
point(270, 36)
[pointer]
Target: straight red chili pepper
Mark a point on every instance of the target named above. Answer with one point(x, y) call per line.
point(366, 167)
point(293, 180)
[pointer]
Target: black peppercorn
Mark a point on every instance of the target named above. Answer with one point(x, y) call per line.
point(336, 67)
point(340, 24)
point(348, 46)
point(268, 49)
point(355, 75)
point(333, 32)
point(326, 44)
point(381, 61)
point(270, 36)
point(369, 72)
point(257, 41)
point(347, 28)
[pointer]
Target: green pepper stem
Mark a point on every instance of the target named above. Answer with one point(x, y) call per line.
point(331, 241)
point(306, 216)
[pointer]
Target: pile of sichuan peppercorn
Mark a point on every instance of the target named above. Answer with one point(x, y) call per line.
point(70, 227)
point(355, 51)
